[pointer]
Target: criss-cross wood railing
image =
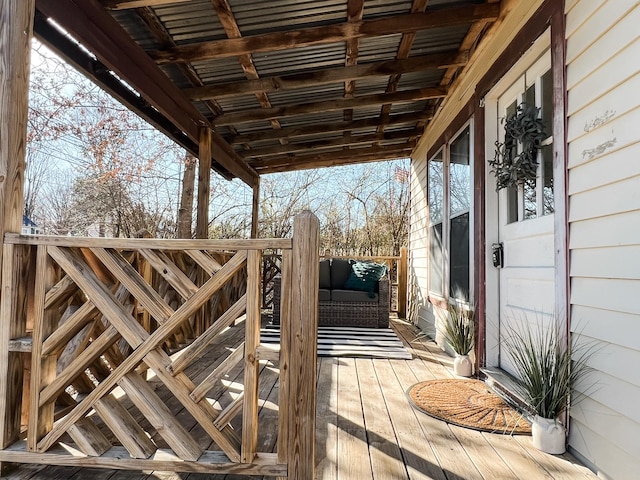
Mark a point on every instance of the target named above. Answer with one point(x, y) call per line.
point(108, 322)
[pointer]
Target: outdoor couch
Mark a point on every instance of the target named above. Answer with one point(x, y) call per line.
point(350, 293)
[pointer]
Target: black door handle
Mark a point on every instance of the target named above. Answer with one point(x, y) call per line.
point(497, 254)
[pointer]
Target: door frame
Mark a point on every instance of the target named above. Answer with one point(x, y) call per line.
point(549, 17)
point(506, 85)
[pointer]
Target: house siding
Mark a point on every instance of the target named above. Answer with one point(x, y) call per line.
point(603, 109)
point(418, 312)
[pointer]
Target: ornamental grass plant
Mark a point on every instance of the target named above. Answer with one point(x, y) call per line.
point(549, 367)
point(459, 329)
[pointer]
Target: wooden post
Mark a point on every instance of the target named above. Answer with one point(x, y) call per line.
point(285, 349)
point(16, 30)
point(251, 364)
point(303, 335)
point(255, 208)
point(185, 213)
point(204, 183)
point(402, 283)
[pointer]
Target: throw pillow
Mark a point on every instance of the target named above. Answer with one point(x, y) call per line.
point(340, 271)
point(365, 276)
point(325, 275)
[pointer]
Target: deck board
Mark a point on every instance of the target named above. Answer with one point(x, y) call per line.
point(366, 428)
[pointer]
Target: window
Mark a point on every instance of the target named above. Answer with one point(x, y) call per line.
point(449, 218)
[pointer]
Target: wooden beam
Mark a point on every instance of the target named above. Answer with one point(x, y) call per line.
point(257, 114)
point(16, 22)
point(355, 12)
point(289, 132)
point(204, 184)
point(99, 33)
point(269, 42)
point(329, 75)
point(404, 50)
point(342, 157)
point(124, 4)
point(344, 141)
point(255, 209)
point(228, 21)
point(303, 334)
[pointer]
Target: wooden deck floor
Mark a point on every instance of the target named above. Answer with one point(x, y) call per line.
point(366, 429)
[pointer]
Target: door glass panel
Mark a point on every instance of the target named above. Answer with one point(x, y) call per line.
point(547, 101)
point(512, 192)
point(547, 175)
point(530, 203)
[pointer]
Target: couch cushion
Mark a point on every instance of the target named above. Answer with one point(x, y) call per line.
point(325, 274)
point(352, 296)
point(365, 276)
point(324, 295)
point(340, 271)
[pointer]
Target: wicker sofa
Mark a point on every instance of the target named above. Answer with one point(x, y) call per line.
point(341, 306)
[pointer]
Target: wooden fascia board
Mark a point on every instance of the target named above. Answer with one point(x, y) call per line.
point(258, 114)
point(328, 76)
point(98, 32)
point(300, 131)
point(269, 42)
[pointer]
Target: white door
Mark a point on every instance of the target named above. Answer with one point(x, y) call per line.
point(525, 222)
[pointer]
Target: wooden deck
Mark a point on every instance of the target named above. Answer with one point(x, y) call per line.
point(366, 428)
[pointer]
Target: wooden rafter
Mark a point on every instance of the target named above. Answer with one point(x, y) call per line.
point(343, 157)
point(329, 105)
point(97, 31)
point(157, 28)
point(344, 141)
point(290, 132)
point(329, 75)
point(404, 49)
point(123, 4)
point(355, 11)
point(228, 21)
point(270, 42)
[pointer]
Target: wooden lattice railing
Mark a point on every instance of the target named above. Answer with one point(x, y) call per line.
point(113, 320)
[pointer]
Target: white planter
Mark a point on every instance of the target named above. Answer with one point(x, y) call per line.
point(462, 365)
point(548, 435)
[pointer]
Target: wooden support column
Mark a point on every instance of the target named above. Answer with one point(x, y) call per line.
point(303, 337)
point(16, 30)
point(255, 209)
point(402, 283)
point(204, 183)
point(251, 364)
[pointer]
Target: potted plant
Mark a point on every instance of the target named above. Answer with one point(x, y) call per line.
point(459, 333)
point(549, 367)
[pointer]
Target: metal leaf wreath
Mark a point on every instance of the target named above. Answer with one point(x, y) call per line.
point(513, 166)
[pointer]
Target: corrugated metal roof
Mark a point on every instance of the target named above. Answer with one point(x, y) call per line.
point(196, 21)
point(266, 16)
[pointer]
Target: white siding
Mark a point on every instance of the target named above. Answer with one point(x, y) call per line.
point(603, 82)
point(418, 312)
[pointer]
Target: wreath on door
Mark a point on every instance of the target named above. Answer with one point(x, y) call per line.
point(510, 165)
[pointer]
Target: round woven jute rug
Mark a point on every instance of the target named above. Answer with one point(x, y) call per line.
point(467, 403)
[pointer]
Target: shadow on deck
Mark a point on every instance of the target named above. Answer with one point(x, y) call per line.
point(366, 428)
